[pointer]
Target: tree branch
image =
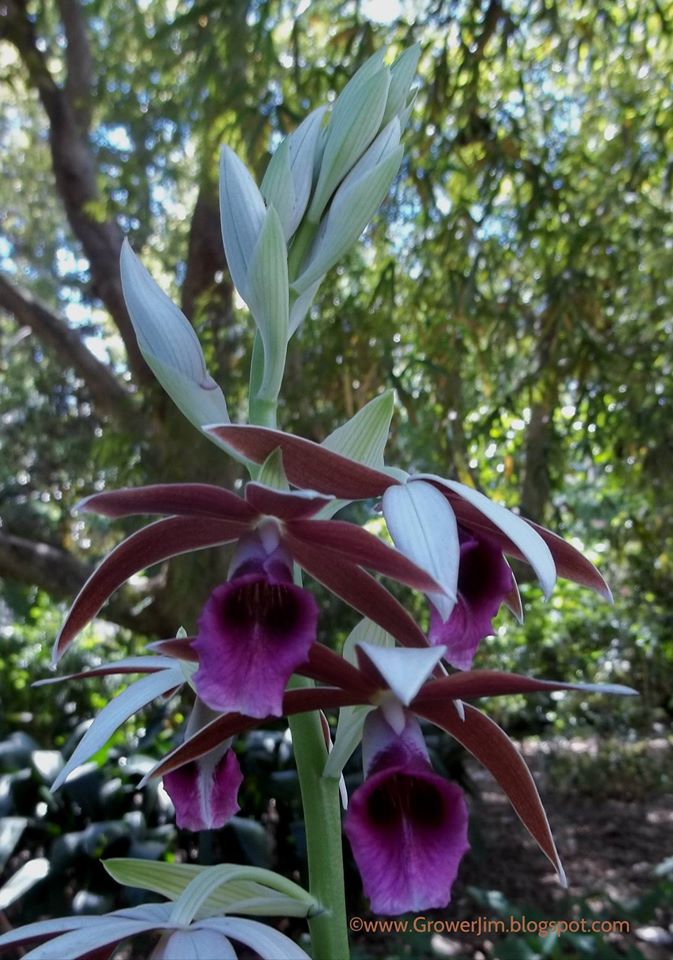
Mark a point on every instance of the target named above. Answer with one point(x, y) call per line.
point(61, 575)
point(106, 391)
point(75, 171)
point(79, 82)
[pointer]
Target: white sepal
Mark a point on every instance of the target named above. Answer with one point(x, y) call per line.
point(242, 212)
point(522, 535)
point(264, 940)
point(169, 344)
point(272, 473)
point(351, 719)
point(346, 739)
point(267, 297)
point(116, 713)
point(404, 669)
point(423, 526)
point(350, 212)
point(196, 943)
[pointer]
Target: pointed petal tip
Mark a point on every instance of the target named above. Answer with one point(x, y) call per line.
point(562, 878)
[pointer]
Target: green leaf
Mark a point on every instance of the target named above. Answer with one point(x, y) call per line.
point(268, 299)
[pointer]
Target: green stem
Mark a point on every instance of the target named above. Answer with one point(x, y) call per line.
point(320, 796)
point(322, 819)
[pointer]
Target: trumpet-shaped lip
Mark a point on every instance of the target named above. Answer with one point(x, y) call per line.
point(484, 582)
point(204, 792)
point(254, 632)
point(407, 827)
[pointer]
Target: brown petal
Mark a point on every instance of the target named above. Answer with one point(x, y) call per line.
point(152, 544)
point(308, 465)
point(231, 724)
point(192, 499)
point(365, 549)
point(358, 589)
point(495, 751)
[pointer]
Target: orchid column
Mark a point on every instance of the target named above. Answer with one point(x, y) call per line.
point(323, 185)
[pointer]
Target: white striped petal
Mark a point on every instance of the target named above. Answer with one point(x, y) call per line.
point(194, 944)
point(522, 535)
point(423, 526)
point(270, 944)
point(405, 669)
point(116, 713)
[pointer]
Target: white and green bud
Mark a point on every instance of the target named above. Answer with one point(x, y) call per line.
point(354, 123)
point(268, 298)
point(169, 344)
point(289, 177)
point(402, 73)
point(353, 206)
point(242, 213)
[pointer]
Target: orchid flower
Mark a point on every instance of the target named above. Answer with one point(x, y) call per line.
point(257, 628)
point(407, 826)
point(454, 532)
point(399, 683)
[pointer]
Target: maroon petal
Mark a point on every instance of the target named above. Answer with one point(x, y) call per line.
point(253, 634)
point(308, 465)
point(178, 647)
point(192, 499)
point(363, 548)
point(152, 544)
point(571, 563)
point(284, 503)
point(205, 791)
point(484, 581)
point(408, 830)
point(325, 666)
point(470, 684)
point(358, 589)
point(230, 725)
point(492, 747)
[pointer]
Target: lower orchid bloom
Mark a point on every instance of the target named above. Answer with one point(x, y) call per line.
point(400, 684)
point(451, 530)
point(407, 826)
point(205, 791)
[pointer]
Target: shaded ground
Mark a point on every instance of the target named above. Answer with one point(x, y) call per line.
point(610, 849)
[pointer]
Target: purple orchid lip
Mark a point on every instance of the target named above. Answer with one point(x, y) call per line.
point(485, 580)
point(407, 826)
point(204, 792)
point(254, 632)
